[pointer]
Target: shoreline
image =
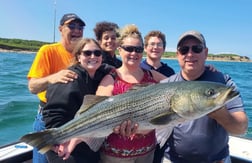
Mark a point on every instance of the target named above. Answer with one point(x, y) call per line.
point(210, 59)
point(171, 58)
point(16, 51)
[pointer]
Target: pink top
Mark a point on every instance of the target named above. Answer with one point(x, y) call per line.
point(138, 144)
point(121, 86)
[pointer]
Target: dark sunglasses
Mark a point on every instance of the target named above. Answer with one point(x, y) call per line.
point(137, 49)
point(195, 48)
point(88, 53)
point(74, 26)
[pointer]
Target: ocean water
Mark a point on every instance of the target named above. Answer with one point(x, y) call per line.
point(18, 106)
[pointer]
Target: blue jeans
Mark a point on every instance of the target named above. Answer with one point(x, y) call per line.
point(38, 125)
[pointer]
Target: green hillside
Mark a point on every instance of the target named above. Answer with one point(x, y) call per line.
point(33, 46)
point(19, 44)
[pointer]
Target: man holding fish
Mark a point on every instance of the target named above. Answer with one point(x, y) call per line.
point(204, 139)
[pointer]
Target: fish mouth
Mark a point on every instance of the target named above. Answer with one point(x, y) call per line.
point(228, 96)
point(231, 94)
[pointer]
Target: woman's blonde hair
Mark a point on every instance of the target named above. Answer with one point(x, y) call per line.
point(130, 30)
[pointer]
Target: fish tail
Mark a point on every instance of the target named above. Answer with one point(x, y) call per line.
point(43, 140)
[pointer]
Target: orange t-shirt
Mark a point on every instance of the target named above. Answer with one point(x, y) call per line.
point(49, 60)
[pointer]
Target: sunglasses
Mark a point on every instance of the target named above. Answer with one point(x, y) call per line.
point(153, 44)
point(137, 49)
point(195, 48)
point(88, 53)
point(74, 26)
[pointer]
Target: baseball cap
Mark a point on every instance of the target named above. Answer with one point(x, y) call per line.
point(194, 34)
point(70, 17)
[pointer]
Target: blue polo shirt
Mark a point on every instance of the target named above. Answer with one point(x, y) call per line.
point(203, 139)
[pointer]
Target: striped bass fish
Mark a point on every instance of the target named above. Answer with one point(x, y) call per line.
point(157, 106)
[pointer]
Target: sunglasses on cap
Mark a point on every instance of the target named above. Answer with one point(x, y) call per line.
point(195, 48)
point(75, 26)
point(137, 49)
point(88, 53)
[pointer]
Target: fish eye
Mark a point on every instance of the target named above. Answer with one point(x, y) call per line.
point(210, 92)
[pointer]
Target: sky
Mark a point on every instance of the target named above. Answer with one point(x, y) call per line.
point(226, 24)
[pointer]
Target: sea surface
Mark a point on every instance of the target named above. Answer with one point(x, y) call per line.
point(18, 106)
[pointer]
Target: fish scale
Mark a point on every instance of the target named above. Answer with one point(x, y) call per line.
point(152, 107)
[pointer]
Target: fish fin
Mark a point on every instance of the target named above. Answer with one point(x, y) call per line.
point(163, 134)
point(138, 86)
point(45, 149)
point(42, 140)
point(163, 119)
point(88, 102)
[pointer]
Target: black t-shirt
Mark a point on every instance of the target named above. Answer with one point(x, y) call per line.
point(113, 61)
point(64, 100)
point(164, 69)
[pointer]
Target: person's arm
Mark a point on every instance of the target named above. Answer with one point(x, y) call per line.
point(64, 150)
point(157, 75)
point(235, 123)
point(37, 85)
point(42, 72)
point(232, 117)
point(106, 86)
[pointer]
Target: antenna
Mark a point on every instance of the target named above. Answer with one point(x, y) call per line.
point(54, 21)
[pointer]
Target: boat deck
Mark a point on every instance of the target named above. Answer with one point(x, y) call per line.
point(240, 151)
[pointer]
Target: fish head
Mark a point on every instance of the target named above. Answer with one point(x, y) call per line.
point(194, 99)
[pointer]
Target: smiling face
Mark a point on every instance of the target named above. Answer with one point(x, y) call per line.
point(90, 57)
point(71, 33)
point(132, 58)
point(154, 48)
point(108, 42)
point(192, 62)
